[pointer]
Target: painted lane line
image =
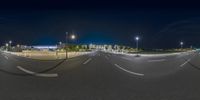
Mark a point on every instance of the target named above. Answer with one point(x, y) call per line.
point(87, 61)
point(6, 57)
point(158, 60)
point(185, 63)
point(106, 57)
point(36, 74)
point(138, 74)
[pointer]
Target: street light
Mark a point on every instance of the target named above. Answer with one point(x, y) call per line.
point(137, 39)
point(181, 43)
point(6, 44)
point(60, 43)
point(72, 36)
point(10, 42)
point(18, 45)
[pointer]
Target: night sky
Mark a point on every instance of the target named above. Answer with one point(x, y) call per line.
point(45, 23)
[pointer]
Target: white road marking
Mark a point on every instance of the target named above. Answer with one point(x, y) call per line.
point(106, 57)
point(36, 74)
point(87, 61)
point(158, 60)
point(6, 57)
point(139, 74)
point(185, 63)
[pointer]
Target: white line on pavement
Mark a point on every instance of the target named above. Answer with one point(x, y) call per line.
point(87, 61)
point(139, 74)
point(158, 60)
point(185, 63)
point(36, 74)
point(6, 57)
point(106, 57)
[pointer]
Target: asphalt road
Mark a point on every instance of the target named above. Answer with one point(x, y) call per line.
point(101, 76)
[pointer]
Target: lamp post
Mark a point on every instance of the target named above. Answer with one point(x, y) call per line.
point(66, 45)
point(60, 43)
point(181, 43)
point(137, 38)
point(10, 45)
point(10, 42)
point(6, 46)
point(72, 36)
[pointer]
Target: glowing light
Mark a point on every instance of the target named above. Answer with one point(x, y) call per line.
point(10, 41)
point(60, 43)
point(73, 37)
point(137, 38)
point(6, 44)
point(181, 43)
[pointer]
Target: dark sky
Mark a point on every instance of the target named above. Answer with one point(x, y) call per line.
point(160, 24)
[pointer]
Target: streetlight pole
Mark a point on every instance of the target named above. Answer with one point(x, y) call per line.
point(137, 39)
point(137, 45)
point(10, 42)
point(6, 46)
point(66, 44)
point(10, 45)
point(72, 36)
point(181, 43)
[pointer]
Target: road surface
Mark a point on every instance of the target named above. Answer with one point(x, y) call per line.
point(101, 76)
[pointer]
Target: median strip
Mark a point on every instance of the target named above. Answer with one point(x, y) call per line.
point(134, 73)
point(35, 73)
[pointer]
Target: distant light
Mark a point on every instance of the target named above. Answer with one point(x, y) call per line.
point(137, 38)
point(6, 44)
point(73, 37)
point(18, 45)
point(181, 43)
point(10, 41)
point(60, 43)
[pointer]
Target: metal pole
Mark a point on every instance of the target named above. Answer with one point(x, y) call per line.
point(66, 45)
point(137, 47)
point(137, 44)
point(181, 47)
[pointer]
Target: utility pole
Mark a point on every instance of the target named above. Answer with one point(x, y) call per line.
point(66, 45)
